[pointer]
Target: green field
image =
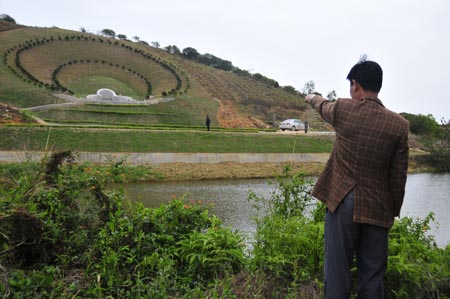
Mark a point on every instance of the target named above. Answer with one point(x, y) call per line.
point(90, 84)
point(175, 141)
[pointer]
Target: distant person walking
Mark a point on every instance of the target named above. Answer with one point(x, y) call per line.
point(363, 183)
point(306, 127)
point(208, 122)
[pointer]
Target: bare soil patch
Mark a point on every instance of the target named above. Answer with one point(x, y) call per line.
point(11, 115)
point(228, 116)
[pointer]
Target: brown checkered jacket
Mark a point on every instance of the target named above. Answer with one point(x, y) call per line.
point(370, 156)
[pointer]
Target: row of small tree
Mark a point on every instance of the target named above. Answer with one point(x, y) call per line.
point(210, 60)
point(218, 63)
point(29, 77)
point(24, 74)
point(111, 33)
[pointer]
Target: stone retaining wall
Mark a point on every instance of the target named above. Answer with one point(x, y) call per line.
point(162, 158)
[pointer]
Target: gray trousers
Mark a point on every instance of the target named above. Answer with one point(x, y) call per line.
point(345, 238)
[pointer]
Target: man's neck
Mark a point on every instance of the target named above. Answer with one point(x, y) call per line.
point(369, 94)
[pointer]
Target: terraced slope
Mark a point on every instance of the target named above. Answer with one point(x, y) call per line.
point(41, 62)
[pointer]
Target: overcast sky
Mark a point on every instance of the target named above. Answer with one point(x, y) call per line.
point(291, 41)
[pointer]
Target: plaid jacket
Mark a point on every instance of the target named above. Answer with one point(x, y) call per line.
point(370, 157)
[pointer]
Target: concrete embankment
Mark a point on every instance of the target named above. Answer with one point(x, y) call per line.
point(200, 166)
point(165, 158)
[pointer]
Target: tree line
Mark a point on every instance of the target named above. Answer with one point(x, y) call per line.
point(435, 136)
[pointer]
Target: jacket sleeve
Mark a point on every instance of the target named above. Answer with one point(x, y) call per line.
point(325, 108)
point(398, 173)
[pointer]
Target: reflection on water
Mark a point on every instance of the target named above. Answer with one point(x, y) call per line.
point(227, 198)
point(430, 193)
point(424, 193)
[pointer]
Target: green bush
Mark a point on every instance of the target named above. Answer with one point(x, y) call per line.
point(292, 196)
point(65, 234)
point(417, 268)
point(290, 250)
point(438, 145)
point(288, 246)
point(138, 245)
point(421, 124)
point(211, 255)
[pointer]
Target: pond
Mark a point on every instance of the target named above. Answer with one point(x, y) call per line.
point(228, 199)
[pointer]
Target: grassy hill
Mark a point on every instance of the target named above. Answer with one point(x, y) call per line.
point(39, 63)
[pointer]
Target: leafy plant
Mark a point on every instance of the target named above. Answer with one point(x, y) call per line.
point(288, 245)
point(67, 221)
point(417, 268)
point(421, 124)
point(66, 233)
point(291, 198)
point(439, 147)
point(212, 254)
point(290, 250)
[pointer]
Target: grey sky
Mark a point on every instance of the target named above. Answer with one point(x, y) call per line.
point(286, 40)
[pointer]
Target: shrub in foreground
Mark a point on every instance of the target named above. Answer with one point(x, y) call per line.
point(288, 248)
point(417, 268)
point(65, 234)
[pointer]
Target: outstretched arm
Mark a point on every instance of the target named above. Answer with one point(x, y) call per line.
point(324, 107)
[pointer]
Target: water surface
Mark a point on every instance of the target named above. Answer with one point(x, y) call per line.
point(424, 193)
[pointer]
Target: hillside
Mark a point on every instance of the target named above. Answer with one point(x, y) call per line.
point(39, 64)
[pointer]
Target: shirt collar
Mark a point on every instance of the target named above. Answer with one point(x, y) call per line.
point(376, 100)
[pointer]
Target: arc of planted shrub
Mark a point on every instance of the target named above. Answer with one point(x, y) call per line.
point(28, 44)
point(24, 74)
point(103, 62)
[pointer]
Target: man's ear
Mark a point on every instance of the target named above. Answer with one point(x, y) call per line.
point(357, 86)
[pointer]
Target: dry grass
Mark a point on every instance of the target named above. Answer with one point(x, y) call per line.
point(5, 26)
point(232, 170)
point(242, 95)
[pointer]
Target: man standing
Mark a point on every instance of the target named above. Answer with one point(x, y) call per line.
point(208, 122)
point(363, 183)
